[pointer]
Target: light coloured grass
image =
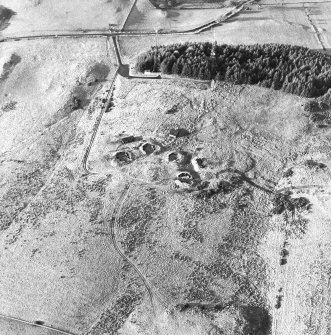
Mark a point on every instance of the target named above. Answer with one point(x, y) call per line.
point(144, 16)
point(261, 24)
point(58, 265)
point(59, 15)
point(256, 130)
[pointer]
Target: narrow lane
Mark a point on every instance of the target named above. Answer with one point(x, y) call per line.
point(87, 33)
point(97, 124)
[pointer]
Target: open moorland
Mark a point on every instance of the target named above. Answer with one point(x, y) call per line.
point(201, 215)
point(169, 205)
point(48, 272)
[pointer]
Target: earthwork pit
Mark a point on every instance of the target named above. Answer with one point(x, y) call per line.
point(182, 158)
point(185, 177)
point(173, 157)
point(202, 163)
point(124, 157)
point(147, 148)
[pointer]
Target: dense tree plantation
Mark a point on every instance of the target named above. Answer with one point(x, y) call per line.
point(293, 69)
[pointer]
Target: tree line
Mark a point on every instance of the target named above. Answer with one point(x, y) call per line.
point(293, 69)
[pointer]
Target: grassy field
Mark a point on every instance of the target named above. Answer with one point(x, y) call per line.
point(269, 24)
point(145, 16)
point(266, 22)
point(54, 15)
point(316, 14)
point(58, 265)
point(224, 250)
point(37, 113)
point(195, 216)
point(130, 45)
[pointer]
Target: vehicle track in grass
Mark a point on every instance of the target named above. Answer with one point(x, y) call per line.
point(114, 233)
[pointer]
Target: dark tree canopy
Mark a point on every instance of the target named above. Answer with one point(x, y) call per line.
point(292, 69)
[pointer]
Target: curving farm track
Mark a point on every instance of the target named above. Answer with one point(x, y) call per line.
point(113, 230)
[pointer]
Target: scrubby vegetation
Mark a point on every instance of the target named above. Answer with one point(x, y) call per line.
point(319, 109)
point(293, 69)
point(283, 202)
point(222, 187)
point(113, 319)
point(5, 16)
point(315, 165)
point(9, 66)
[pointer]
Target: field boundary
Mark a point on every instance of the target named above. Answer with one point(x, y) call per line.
point(312, 24)
point(128, 33)
point(35, 324)
point(129, 13)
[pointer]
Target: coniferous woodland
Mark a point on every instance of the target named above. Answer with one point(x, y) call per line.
point(293, 69)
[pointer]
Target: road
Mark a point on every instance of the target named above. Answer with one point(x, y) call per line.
point(117, 51)
point(97, 124)
point(89, 33)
